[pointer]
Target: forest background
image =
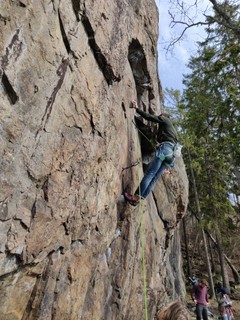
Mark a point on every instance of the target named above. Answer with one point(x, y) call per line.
point(207, 114)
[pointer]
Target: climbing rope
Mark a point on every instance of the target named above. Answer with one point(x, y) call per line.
point(142, 242)
point(142, 238)
point(152, 144)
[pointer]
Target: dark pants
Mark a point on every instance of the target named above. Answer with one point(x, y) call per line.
point(201, 311)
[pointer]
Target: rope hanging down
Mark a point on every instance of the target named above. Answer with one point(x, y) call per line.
point(142, 243)
point(152, 144)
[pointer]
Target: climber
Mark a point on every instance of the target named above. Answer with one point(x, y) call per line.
point(173, 311)
point(163, 158)
point(200, 298)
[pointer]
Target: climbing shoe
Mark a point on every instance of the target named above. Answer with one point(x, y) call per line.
point(129, 198)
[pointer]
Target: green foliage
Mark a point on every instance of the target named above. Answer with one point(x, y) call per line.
point(208, 114)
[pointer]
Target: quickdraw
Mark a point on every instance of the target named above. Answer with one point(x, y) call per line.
point(132, 165)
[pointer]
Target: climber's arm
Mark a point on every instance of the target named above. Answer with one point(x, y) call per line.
point(145, 115)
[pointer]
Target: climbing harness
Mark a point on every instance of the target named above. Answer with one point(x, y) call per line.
point(177, 151)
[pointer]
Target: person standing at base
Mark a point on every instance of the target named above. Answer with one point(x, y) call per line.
point(200, 298)
point(167, 139)
point(224, 305)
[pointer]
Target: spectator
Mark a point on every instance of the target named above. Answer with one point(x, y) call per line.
point(200, 298)
point(224, 305)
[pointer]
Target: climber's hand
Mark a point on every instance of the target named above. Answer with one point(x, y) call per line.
point(134, 104)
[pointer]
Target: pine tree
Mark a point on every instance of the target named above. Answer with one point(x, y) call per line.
point(210, 126)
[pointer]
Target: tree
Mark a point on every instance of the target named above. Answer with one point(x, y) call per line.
point(210, 277)
point(225, 13)
point(210, 124)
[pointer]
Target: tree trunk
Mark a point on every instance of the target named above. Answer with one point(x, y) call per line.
point(210, 277)
point(225, 279)
point(186, 248)
point(235, 273)
point(222, 263)
point(195, 245)
point(211, 284)
point(211, 255)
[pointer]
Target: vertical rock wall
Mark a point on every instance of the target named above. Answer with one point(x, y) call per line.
point(70, 248)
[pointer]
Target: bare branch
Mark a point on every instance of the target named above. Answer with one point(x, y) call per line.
point(187, 26)
point(185, 19)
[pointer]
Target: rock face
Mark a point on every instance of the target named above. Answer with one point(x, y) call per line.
point(70, 248)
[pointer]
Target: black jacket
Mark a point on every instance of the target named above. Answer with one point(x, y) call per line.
point(166, 131)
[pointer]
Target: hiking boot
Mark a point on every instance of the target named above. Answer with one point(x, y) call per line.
point(130, 198)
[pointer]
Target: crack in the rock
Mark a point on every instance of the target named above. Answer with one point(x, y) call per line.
point(101, 60)
point(64, 36)
point(165, 223)
point(4, 19)
point(34, 210)
point(15, 47)
point(138, 63)
point(21, 4)
point(13, 97)
point(61, 72)
point(76, 8)
point(34, 305)
point(17, 270)
point(45, 190)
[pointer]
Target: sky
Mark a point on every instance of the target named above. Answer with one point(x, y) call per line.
point(172, 65)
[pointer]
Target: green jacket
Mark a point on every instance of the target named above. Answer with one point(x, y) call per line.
point(166, 131)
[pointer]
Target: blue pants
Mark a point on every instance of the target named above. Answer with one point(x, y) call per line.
point(161, 160)
point(227, 316)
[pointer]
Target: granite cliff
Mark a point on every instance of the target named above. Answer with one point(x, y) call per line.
point(70, 247)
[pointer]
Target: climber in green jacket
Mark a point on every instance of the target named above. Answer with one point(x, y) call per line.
point(167, 138)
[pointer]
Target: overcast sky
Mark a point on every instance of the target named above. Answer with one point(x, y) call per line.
point(172, 65)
